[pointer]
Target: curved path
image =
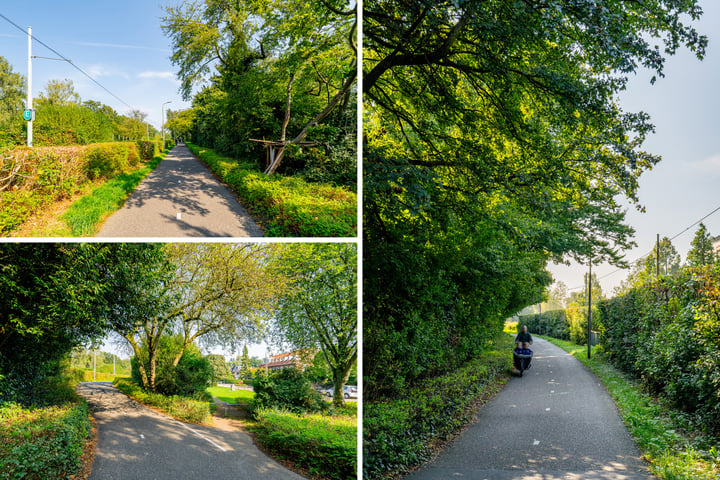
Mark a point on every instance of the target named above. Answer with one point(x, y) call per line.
point(136, 442)
point(556, 422)
point(181, 198)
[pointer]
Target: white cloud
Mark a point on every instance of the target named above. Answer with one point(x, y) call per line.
point(711, 163)
point(162, 75)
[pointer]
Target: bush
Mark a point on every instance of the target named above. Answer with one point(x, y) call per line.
point(288, 389)
point(398, 433)
point(668, 334)
point(293, 206)
point(553, 323)
point(106, 160)
point(148, 149)
point(40, 443)
point(191, 375)
point(325, 445)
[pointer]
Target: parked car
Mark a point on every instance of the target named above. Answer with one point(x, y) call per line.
point(350, 391)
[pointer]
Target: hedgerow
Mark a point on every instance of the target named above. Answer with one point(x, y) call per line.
point(398, 432)
point(325, 445)
point(668, 335)
point(292, 205)
point(41, 443)
point(33, 178)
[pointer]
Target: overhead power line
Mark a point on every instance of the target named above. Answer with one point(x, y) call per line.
point(67, 60)
point(650, 252)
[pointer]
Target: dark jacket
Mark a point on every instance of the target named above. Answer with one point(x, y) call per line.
point(523, 337)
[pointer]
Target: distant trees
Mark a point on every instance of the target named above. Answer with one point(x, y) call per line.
point(701, 251)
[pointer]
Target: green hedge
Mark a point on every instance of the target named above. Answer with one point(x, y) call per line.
point(553, 323)
point(668, 335)
point(292, 205)
point(325, 445)
point(41, 443)
point(54, 173)
point(398, 432)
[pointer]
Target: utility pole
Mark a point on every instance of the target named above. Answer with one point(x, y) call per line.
point(29, 103)
point(657, 257)
point(94, 363)
point(589, 283)
point(163, 123)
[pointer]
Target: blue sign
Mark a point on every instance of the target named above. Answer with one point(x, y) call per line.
point(28, 115)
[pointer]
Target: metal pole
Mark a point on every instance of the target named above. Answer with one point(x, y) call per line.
point(29, 103)
point(94, 363)
point(657, 257)
point(163, 123)
point(589, 305)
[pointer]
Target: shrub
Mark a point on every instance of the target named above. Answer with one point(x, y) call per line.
point(293, 206)
point(191, 375)
point(325, 445)
point(288, 389)
point(553, 323)
point(186, 409)
point(668, 334)
point(147, 149)
point(106, 160)
point(40, 443)
point(398, 433)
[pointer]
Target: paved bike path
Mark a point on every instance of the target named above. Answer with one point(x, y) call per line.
point(137, 442)
point(181, 198)
point(556, 422)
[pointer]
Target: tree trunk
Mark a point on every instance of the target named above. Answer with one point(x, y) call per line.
point(347, 84)
point(340, 378)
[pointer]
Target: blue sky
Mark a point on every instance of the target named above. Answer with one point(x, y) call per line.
point(685, 185)
point(120, 44)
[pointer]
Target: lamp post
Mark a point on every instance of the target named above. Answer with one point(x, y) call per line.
point(29, 104)
point(163, 123)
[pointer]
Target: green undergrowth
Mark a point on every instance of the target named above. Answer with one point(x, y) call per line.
point(47, 441)
point(85, 215)
point(672, 450)
point(186, 409)
point(325, 445)
point(292, 206)
point(399, 432)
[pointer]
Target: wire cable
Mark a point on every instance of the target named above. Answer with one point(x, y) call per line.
point(67, 60)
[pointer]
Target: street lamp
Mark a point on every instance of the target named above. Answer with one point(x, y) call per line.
point(163, 123)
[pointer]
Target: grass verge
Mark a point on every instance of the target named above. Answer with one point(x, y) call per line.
point(181, 408)
point(403, 432)
point(655, 428)
point(325, 445)
point(85, 215)
point(291, 205)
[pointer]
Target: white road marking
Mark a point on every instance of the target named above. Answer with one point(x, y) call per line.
point(178, 215)
point(200, 435)
point(142, 436)
point(547, 409)
point(536, 442)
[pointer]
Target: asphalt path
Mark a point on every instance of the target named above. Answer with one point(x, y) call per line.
point(137, 442)
point(556, 422)
point(181, 198)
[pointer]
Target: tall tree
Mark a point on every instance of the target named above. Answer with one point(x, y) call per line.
point(701, 251)
point(320, 309)
point(59, 92)
point(494, 143)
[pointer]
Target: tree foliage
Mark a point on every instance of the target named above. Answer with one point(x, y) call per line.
point(701, 250)
point(270, 69)
point(319, 310)
point(495, 143)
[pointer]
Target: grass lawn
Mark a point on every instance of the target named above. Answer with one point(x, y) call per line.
point(229, 396)
point(673, 451)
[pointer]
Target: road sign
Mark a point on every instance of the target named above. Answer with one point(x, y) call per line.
point(28, 115)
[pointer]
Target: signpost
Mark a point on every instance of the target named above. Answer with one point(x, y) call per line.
point(28, 113)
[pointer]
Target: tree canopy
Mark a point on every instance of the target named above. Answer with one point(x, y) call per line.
point(495, 143)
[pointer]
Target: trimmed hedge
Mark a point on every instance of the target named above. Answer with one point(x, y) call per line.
point(40, 443)
point(553, 323)
point(48, 174)
point(668, 335)
point(325, 445)
point(292, 205)
point(398, 432)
